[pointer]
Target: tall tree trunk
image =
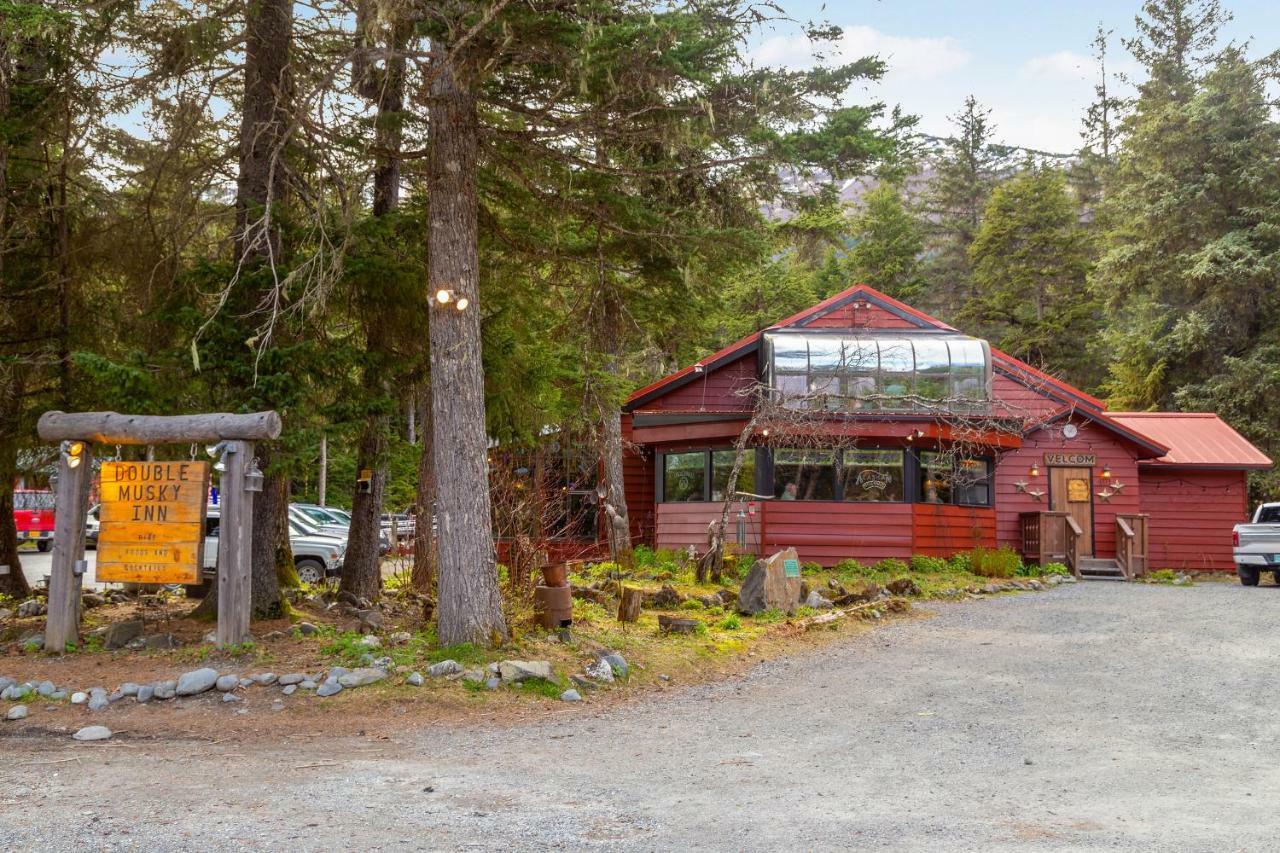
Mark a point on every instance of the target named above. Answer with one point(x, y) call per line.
point(611, 450)
point(322, 483)
point(260, 189)
point(272, 556)
point(424, 540)
point(470, 605)
point(15, 582)
point(361, 569)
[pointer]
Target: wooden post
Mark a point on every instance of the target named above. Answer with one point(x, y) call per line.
point(629, 604)
point(235, 539)
point(71, 507)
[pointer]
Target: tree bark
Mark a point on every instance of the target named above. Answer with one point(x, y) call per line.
point(261, 187)
point(616, 518)
point(14, 583)
point(322, 482)
point(470, 605)
point(424, 541)
point(361, 569)
point(272, 555)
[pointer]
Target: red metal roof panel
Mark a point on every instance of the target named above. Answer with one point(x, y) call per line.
point(1195, 438)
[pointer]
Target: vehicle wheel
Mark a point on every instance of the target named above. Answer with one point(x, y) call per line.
point(312, 572)
point(44, 545)
point(1248, 575)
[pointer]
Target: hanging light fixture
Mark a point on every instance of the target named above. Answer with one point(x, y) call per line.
point(253, 477)
point(1106, 472)
point(74, 452)
point(1035, 469)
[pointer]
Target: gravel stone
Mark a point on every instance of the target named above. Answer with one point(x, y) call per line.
point(17, 712)
point(165, 689)
point(443, 668)
point(264, 678)
point(361, 677)
point(145, 693)
point(291, 678)
point(571, 695)
point(93, 733)
point(227, 683)
point(289, 689)
point(79, 697)
point(330, 688)
point(414, 679)
point(231, 697)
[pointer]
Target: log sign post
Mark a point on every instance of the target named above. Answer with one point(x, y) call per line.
point(153, 513)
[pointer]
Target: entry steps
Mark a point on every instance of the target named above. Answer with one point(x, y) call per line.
point(1095, 569)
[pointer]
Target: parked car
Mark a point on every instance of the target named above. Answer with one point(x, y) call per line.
point(1256, 546)
point(33, 516)
point(331, 523)
point(328, 528)
point(315, 556)
point(91, 527)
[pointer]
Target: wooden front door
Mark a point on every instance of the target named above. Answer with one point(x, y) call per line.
point(1071, 490)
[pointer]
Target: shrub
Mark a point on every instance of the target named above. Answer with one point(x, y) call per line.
point(810, 568)
point(890, 566)
point(730, 622)
point(850, 567)
point(960, 562)
point(1056, 569)
point(921, 563)
point(692, 604)
point(1002, 562)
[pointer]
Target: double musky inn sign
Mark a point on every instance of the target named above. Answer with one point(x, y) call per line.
point(153, 516)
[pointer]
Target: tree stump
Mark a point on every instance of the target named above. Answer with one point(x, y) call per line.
point(676, 625)
point(629, 606)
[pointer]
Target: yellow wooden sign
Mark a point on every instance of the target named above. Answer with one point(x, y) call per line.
point(152, 518)
point(1077, 491)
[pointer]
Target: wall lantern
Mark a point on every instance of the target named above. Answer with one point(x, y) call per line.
point(1106, 472)
point(74, 453)
point(1035, 469)
point(253, 478)
point(219, 451)
point(914, 434)
point(444, 297)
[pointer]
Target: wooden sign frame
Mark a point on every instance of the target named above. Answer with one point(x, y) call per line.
point(153, 519)
point(234, 435)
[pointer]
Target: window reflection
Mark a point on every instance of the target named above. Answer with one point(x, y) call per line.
point(803, 475)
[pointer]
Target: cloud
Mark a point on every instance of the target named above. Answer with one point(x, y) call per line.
point(1063, 64)
point(908, 57)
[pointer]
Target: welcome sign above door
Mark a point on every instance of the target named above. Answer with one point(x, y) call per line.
point(1074, 459)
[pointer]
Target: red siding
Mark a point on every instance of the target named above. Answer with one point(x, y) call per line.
point(1015, 466)
point(940, 531)
point(849, 317)
point(713, 391)
point(680, 525)
point(1192, 513)
point(828, 532)
point(638, 483)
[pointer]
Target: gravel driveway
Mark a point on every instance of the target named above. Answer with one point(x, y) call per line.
point(1099, 716)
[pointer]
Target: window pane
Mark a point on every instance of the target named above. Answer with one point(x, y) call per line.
point(968, 370)
point(684, 476)
point(803, 475)
point(722, 467)
point(790, 353)
point(873, 475)
point(825, 355)
point(935, 478)
point(971, 482)
point(791, 388)
point(933, 370)
point(897, 368)
point(579, 514)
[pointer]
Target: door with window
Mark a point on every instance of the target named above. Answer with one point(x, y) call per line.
point(1071, 490)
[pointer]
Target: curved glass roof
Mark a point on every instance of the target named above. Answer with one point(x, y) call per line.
point(880, 370)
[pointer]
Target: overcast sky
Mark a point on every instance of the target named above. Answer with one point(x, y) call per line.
point(1028, 61)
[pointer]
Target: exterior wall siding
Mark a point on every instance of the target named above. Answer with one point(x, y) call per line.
point(1192, 513)
point(714, 391)
point(638, 484)
point(1015, 465)
point(940, 530)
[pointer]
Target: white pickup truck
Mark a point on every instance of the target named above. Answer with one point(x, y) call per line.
point(315, 555)
point(1256, 546)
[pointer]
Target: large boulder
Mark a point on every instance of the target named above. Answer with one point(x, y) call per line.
point(521, 670)
point(768, 585)
point(197, 681)
point(119, 634)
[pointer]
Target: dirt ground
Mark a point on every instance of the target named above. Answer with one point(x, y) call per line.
point(1097, 716)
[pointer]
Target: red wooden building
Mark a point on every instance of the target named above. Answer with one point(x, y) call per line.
point(883, 432)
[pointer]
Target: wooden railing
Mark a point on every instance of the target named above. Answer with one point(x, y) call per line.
point(1131, 545)
point(1073, 536)
point(1051, 537)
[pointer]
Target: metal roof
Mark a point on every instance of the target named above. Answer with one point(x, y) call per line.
point(1198, 439)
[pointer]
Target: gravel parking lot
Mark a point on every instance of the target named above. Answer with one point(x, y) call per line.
point(1099, 716)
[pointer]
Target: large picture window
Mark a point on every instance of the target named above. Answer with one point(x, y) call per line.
point(804, 475)
point(872, 475)
point(947, 479)
point(722, 467)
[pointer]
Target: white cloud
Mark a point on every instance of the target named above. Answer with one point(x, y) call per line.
point(1064, 64)
point(908, 58)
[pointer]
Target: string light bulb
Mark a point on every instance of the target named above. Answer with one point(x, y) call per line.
point(462, 303)
point(443, 296)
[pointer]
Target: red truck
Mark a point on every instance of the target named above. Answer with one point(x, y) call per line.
point(33, 516)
